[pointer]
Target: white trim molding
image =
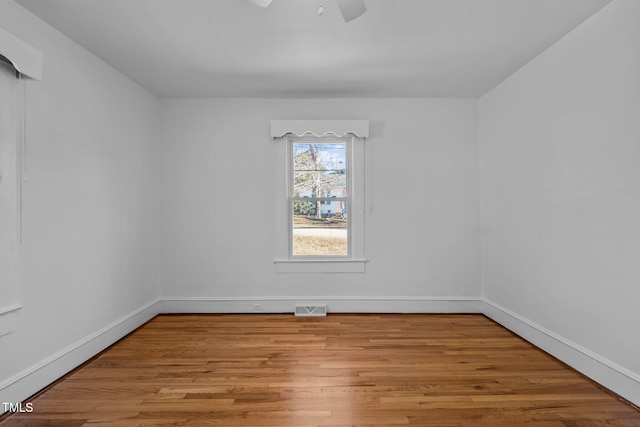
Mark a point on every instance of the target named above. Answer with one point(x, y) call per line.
point(285, 261)
point(26, 59)
point(340, 128)
point(10, 309)
point(36, 377)
point(335, 304)
point(606, 372)
point(8, 319)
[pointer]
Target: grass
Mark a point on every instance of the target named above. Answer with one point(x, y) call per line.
point(312, 245)
point(303, 221)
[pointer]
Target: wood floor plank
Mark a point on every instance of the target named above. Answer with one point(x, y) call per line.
point(340, 370)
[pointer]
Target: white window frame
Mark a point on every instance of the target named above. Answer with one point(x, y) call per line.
point(19, 60)
point(292, 141)
point(355, 261)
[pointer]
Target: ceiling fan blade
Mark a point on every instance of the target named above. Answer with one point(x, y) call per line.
point(261, 3)
point(351, 9)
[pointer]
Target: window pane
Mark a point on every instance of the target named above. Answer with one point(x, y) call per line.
point(319, 169)
point(319, 227)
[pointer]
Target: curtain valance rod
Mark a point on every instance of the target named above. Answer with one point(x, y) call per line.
point(359, 128)
point(26, 59)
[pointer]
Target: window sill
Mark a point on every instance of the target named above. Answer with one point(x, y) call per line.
point(320, 266)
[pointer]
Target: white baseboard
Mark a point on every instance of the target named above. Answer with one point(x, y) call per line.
point(344, 304)
point(36, 377)
point(607, 373)
point(29, 381)
point(610, 375)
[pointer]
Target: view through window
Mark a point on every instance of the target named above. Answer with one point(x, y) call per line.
point(320, 198)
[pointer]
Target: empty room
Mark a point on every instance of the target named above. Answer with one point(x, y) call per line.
point(320, 213)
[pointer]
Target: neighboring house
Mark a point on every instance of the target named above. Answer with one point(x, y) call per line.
point(328, 208)
point(331, 208)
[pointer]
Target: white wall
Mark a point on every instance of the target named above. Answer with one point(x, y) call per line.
point(560, 191)
point(422, 238)
point(89, 255)
point(559, 143)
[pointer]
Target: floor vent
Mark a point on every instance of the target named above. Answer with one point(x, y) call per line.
point(311, 310)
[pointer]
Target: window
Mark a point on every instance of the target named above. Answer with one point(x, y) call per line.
point(18, 61)
point(319, 197)
point(320, 189)
point(11, 145)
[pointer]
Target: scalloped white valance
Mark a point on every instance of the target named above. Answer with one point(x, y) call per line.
point(280, 128)
point(26, 59)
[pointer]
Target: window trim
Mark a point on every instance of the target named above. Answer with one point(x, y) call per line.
point(348, 142)
point(355, 262)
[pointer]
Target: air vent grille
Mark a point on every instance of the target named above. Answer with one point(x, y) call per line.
point(311, 310)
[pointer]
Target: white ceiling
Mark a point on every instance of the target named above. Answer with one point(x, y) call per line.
point(399, 48)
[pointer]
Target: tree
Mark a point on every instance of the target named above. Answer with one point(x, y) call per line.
point(319, 171)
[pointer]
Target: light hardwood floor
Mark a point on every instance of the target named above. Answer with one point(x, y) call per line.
point(341, 370)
